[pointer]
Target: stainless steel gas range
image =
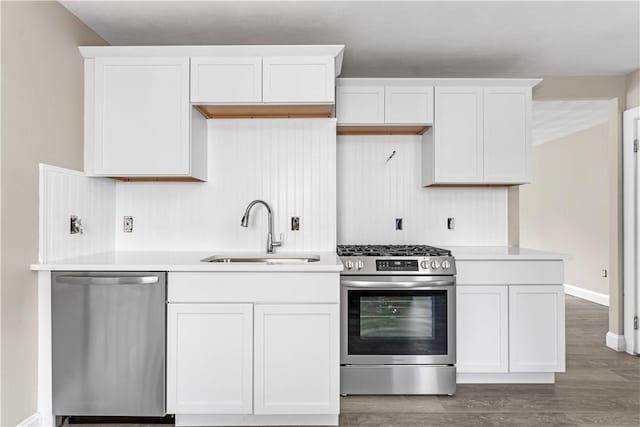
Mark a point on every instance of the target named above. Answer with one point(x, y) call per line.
point(397, 320)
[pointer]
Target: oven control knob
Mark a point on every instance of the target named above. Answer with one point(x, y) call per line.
point(359, 264)
point(446, 264)
point(435, 265)
point(424, 265)
point(349, 264)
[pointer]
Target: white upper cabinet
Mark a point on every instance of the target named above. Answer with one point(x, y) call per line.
point(408, 104)
point(360, 104)
point(457, 135)
point(480, 136)
point(226, 79)
point(507, 135)
point(298, 79)
point(138, 120)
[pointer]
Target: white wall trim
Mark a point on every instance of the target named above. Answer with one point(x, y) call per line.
point(31, 421)
point(615, 341)
point(586, 294)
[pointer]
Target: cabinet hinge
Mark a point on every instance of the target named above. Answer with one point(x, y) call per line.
point(635, 322)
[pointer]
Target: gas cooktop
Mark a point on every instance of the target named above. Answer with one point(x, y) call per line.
point(396, 260)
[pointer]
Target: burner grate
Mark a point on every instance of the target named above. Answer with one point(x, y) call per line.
point(391, 250)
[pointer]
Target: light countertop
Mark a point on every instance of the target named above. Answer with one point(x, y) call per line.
point(475, 253)
point(186, 261)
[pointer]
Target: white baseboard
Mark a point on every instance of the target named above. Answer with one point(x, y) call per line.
point(32, 421)
point(615, 341)
point(586, 294)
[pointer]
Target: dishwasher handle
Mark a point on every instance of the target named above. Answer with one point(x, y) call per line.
point(108, 280)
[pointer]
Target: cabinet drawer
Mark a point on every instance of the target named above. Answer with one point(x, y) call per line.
point(255, 287)
point(226, 79)
point(510, 272)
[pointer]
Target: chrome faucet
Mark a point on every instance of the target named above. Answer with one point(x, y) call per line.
point(244, 222)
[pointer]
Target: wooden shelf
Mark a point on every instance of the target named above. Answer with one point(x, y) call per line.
point(265, 111)
point(382, 130)
point(156, 178)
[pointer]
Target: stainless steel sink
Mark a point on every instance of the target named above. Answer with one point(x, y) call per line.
point(267, 259)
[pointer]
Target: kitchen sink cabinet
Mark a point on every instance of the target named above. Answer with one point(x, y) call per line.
point(226, 79)
point(138, 120)
point(482, 329)
point(209, 358)
point(481, 136)
point(296, 365)
point(536, 329)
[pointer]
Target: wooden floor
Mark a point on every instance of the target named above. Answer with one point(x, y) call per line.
point(600, 388)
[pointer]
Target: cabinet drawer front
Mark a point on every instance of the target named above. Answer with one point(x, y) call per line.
point(482, 328)
point(253, 287)
point(227, 79)
point(408, 104)
point(458, 135)
point(209, 358)
point(360, 104)
point(141, 116)
point(510, 272)
point(536, 329)
point(297, 359)
point(507, 135)
point(298, 79)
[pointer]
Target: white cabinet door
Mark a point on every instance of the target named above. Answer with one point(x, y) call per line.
point(209, 358)
point(141, 117)
point(360, 104)
point(507, 135)
point(297, 359)
point(408, 104)
point(458, 135)
point(226, 79)
point(536, 328)
point(482, 325)
point(298, 79)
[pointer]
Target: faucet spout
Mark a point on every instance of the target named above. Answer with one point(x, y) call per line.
point(244, 222)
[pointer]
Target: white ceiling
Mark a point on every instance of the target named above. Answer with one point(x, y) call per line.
point(397, 39)
point(555, 119)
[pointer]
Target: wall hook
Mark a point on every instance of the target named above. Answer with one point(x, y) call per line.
point(391, 156)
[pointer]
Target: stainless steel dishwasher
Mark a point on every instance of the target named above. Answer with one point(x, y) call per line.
point(108, 343)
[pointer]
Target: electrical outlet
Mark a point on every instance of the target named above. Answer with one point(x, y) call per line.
point(451, 223)
point(604, 273)
point(295, 223)
point(399, 224)
point(75, 225)
point(127, 224)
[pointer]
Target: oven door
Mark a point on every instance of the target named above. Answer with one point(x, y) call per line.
point(398, 320)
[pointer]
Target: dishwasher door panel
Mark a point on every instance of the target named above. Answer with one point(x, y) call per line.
point(108, 343)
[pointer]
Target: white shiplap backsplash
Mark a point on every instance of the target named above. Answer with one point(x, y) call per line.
point(65, 192)
point(373, 192)
point(289, 163)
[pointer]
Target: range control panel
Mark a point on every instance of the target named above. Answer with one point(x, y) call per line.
point(397, 265)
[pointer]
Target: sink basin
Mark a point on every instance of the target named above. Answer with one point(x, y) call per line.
point(266, 259)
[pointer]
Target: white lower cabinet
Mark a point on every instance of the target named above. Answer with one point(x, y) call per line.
point(510, 329)
point(253, 359)
point(209, 358)
point(482, 329)
point(296, 363)
point(536, 329)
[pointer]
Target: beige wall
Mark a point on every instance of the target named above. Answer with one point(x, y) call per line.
point(42, 110)
point(633, 89)
point(612, 88)
point(566, 208)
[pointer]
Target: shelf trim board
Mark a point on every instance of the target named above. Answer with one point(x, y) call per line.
point(381, 130)
point(156, 178)
point(266, 111)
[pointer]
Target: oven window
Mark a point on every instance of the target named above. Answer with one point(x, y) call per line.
point(392, 322)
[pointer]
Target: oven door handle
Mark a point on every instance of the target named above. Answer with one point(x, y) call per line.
point(371, 284)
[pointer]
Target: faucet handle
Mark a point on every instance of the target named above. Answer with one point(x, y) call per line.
point(279, 242)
